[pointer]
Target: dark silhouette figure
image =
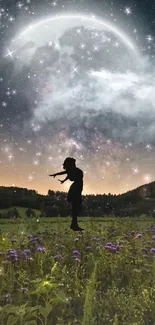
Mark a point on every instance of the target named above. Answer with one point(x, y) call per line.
point(74, 197)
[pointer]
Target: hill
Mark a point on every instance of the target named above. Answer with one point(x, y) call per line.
point(135, 202)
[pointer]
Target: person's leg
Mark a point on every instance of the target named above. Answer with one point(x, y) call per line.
point(74, 215)
point(75, 211)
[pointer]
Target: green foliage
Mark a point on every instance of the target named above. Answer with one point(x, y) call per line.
point(89, 299)
point(101, 286)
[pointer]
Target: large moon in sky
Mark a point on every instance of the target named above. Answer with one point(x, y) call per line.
point(81, 68)
point(53, 28)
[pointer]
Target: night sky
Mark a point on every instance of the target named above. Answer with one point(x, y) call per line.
point(77, 78)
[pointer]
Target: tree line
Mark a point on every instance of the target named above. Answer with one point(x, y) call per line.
point(135, 202)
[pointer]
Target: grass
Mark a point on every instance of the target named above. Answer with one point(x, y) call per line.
point(77, 278)
point(21, 210)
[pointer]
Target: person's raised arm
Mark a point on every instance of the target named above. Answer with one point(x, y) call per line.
point(61, 173)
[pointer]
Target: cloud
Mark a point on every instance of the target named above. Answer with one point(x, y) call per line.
point(130, 96)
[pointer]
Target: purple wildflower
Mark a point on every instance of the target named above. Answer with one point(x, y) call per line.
point(76, 252)
point(77, 259)
point(153, 237)
point(24, 255)
point(107, 246)
point(113, 247)
point(138, 235)
point(152, 250)
point(40, 249)
point(27, 251)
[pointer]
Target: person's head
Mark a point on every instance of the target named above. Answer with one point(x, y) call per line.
point(69, 163)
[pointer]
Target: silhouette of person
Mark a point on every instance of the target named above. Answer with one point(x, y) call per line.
point(74, 197)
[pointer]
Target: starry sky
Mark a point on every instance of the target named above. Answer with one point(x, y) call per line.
point(77, 79)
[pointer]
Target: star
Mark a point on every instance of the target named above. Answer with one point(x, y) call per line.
point(30, 177)
point(75, 69)
point(96, 48)
point(4, 104)
point(9, 53)
point(83, 46)
point(11, 18)
point(19, 5)
point(10, 157)
point(127, 11)
point(149, 38)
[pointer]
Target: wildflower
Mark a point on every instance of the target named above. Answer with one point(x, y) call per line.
point(76, 252)
point(27, 251)
point(12, 255)
point(24, 290)
point(24, 255)
point(77, 259)
point(88, 247)
point(40, 249)
point(113, 247)
point(153, 237)
point(76, 239)
point(108, 246)
point(7, 299)
point(152, 250)
point(138, 235)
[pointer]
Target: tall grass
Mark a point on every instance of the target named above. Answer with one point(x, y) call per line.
point(54, 276)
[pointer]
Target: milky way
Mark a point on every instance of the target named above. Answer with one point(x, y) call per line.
point(77, 88)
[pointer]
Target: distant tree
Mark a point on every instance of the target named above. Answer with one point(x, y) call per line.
point(16, 213)
point(28, 212)
point(51, 193)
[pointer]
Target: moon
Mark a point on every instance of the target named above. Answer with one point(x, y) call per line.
point(52, 28)
point(79, 69)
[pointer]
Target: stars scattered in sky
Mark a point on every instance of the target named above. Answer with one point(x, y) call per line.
point(114, 157)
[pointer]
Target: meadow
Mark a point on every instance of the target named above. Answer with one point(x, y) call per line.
point(50, 275)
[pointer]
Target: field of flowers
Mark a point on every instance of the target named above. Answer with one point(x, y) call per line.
point(50, 275)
